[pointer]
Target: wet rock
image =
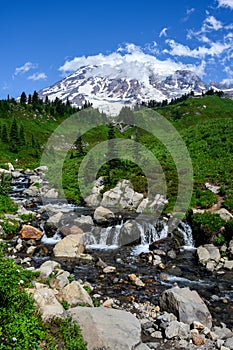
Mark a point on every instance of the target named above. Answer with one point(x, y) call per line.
point(186, 305)
point(136, 280)
point(74, 294)
point(85, 222)
point(69, 247)
point(109, 269)
point(106, 328)
point(102, 214)
point(30, 232)
point(71, 230)
point(164, 244)
point(129, 233)
point(32, 191)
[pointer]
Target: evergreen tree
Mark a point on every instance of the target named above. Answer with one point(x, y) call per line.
point(46, 100)
point(22, 141)
point(4, 134)
point(23, 98)
point(14, 136)
point(29, 99)
point(35, 100)
point(78, 144)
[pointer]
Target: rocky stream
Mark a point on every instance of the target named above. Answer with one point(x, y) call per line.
point(131, 277)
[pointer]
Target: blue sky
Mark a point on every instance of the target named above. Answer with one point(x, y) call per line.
point(44, 40)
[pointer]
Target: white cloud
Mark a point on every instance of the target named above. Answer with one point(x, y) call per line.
point(225, 3)
point(214, 49)
point(25, 68)
point(37, 76)
point(211, 23)
point(163, 32)
point(128, 64)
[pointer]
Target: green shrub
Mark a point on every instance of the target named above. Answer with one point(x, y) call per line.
point(26, 217)
point(10, 227)
point(7, 205)
point(205, 227)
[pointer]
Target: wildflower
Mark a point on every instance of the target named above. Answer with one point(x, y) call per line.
point(14, 339)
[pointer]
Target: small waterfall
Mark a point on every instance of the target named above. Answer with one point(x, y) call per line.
point(107, 237)
point(51, 240)
point(186, 231)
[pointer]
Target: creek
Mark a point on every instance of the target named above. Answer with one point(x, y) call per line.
point(101, 242)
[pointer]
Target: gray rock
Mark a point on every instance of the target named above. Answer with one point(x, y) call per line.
point(108, 329)
point(32, 191)
point(102, 214)
point(52, 193)
point(177, 329)
point(224, 214)
point(47, 303)
point(203, 255)
point(186, 305)
point(55, 219)
point(231, 247)
point(228, 264)
point(75, 295)
point(214, 252)
point(229, 343)
point(47, 268)
point(69, 247)
point(129, 233)
point(208, 252)
point(222, 332)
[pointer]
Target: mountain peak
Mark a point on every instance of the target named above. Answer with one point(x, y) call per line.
point(111, 85)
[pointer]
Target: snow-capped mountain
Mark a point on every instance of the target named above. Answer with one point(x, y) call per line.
point(109, 87)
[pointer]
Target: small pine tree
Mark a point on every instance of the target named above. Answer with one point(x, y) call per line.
point(29, 99)
point(14, 136)
point(4, 134)
point(22, 140)
point(23, 98)
point(78, 144)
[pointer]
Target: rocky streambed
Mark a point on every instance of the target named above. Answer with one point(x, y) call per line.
point(123, 277)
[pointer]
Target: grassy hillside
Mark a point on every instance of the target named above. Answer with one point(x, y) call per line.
point(206, 125)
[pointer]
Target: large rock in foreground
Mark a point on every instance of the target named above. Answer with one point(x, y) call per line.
point(187, 305)
point(108, 329)
point(69, 247)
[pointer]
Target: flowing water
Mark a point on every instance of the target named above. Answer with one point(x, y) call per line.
point(215, 288)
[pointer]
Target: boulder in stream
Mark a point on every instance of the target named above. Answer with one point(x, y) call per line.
point(30, 232)
point(69, 247)
point(187, 305)
point(102, 214)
